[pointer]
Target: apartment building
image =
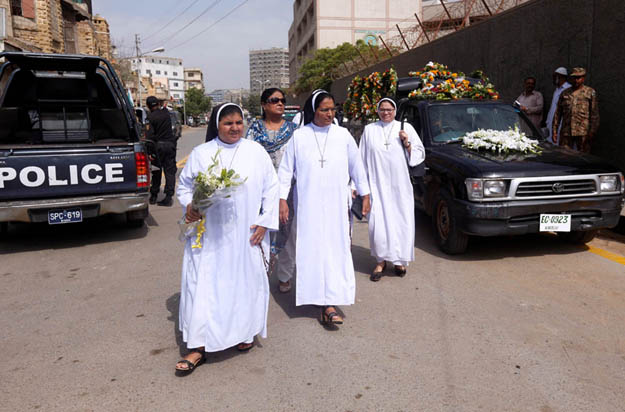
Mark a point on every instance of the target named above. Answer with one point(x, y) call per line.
point(269, 68)
point(167, 71)
point(193, 79)
point(53, 26)
point(328, 23)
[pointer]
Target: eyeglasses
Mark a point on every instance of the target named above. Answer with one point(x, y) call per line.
point(275, 100)
point(386, 110)
point(329, 109)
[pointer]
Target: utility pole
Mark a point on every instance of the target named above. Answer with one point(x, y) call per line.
point(138, 54)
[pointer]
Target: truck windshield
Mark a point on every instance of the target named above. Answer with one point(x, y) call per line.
point(450, 122)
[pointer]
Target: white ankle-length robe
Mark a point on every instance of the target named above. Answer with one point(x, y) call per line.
point(224, 292)
point(325, 270)
point(391, 221)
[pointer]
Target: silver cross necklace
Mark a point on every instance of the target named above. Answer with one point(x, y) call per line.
point(387, 136)
point(325, 143)
point(231, 160)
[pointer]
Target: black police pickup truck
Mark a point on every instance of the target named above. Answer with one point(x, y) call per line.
point(69, 142)
point(475, 193)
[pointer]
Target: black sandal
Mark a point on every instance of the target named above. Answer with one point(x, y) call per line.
point(326, 318)
point(400, 270)
point(190, 365)
point(375, 276)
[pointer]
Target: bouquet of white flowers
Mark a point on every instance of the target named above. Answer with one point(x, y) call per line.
point(210, 188)
point(501, 142)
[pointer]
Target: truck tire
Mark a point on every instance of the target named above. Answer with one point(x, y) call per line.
point(448, 237)
point(136, 219)
point(578, 237)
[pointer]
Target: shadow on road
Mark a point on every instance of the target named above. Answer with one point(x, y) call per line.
point(497, 247)
point(26, 237)
point(173, 304)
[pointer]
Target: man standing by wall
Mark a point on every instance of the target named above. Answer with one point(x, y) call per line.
point(578, 110)
point(532, 102)
point(165, 143)
point(559, 79)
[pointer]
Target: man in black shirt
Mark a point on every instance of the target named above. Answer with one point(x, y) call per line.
point(165, 151)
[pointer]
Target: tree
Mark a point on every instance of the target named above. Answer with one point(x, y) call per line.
point(196, 102)
point(327, 65)
point(252, 104)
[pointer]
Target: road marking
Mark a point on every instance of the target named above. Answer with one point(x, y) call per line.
point(182, 162)
point(608, 255)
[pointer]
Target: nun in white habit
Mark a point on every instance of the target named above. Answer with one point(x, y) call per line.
point(387, 151)
point(323, 157)
point(224, 288)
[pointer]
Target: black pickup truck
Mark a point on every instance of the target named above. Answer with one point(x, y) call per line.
point(69, 142)
point(475, 193)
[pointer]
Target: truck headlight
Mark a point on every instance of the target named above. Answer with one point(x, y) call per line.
point(478, 189)
point(609, 183)
point(494, 188)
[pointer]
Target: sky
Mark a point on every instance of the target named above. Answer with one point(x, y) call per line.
point(222, 51)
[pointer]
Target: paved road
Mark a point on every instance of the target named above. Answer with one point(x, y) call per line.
point(89, 320)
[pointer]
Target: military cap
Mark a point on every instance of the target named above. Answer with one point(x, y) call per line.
point(578, 72)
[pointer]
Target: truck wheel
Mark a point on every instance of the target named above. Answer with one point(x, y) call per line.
point(136, 219)
point(578, 237)
point(450, 240)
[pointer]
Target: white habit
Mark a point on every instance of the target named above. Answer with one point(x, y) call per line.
point(325, 270)
point(391, 221)
point(224, 293)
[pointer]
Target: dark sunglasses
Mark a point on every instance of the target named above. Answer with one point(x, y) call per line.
point(275, 100)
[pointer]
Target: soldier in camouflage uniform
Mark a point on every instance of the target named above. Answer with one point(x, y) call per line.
point(578, 111)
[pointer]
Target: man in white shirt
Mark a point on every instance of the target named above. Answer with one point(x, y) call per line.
point(532, 102)
point(559, 79)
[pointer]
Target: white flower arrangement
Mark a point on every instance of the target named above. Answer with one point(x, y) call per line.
point(501, 142)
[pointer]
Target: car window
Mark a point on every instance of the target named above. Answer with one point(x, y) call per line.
point(449, 122)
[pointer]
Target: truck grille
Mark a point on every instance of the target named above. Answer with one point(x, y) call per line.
point(556, 188)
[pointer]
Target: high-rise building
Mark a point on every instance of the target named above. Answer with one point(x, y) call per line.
point(269, 68)
point(328, 23)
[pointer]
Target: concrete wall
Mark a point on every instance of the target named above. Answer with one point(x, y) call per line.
point(534, 39)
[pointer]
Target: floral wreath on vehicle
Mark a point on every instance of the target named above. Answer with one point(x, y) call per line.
point(439, 83)
point(364, 92)
point(500, 142)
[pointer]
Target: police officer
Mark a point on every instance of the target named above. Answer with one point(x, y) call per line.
point(578, 111)
point(165, 151)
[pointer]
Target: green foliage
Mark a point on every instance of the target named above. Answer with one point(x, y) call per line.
point(252, 104)
point(327, 65)
point(196, 102)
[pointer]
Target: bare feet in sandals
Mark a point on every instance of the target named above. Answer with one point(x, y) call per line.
point(191, 361)
point(377, 271)
point(329, 316)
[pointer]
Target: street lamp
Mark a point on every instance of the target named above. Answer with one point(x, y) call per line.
point(261, 83)
point(157, 50)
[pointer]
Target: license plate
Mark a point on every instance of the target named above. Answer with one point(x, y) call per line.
point(555, 223)
point(57, 217)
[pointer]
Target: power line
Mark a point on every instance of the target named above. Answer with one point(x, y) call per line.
point(211, 26)
point(172, 20)
point(191, 22)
